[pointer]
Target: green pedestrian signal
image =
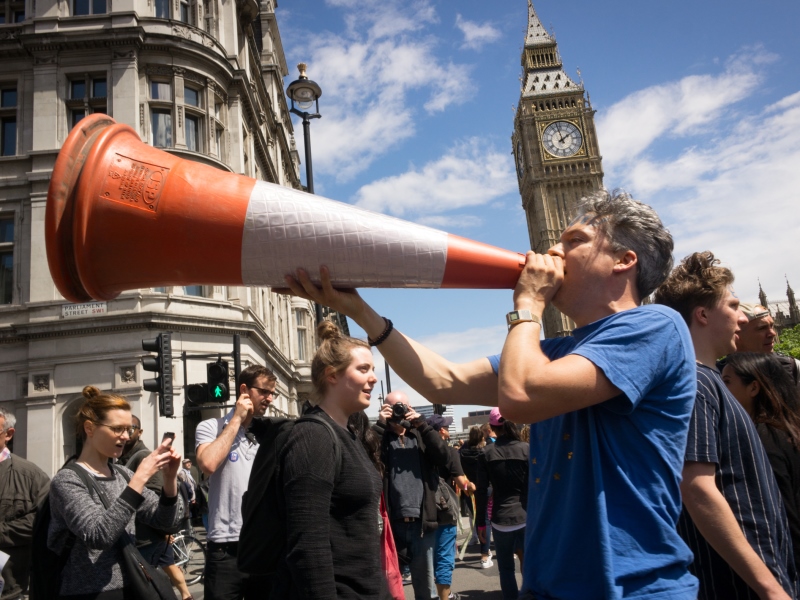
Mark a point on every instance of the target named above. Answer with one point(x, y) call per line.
point(217, 379)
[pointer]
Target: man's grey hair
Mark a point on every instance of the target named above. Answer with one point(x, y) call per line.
point(631, 225)
point(9, 420)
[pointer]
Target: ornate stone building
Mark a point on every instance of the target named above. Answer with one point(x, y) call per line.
point(555, 146)
point(785, 313)
point(202, 79)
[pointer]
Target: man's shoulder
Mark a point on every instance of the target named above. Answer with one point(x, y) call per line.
point(26, 467)
point(210, 429)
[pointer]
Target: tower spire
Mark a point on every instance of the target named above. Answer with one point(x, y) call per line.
point(537, 35)
point(762, 297)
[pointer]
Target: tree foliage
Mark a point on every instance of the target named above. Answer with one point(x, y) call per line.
point(790, 342)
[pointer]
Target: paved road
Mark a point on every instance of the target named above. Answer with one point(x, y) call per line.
point(469, 579)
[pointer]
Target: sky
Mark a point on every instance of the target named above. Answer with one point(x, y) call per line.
point(698, 115)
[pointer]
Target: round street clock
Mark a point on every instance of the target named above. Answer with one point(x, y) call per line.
point(520, 160)
point(562, 139)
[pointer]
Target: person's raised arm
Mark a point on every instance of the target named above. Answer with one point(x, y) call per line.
point(211, 455)
point(437, 379)
point(713, 517)
point(533, 388)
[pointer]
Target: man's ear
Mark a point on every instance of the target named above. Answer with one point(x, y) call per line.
point(242, 388)
point(9, 433)
point(700, 315)
point(627, 261)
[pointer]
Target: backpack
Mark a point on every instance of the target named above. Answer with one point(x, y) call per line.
point(448, 508)
point(262, 540)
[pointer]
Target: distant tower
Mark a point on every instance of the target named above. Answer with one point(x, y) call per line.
point(555, 145)
point(762, 297)
point(794, 313)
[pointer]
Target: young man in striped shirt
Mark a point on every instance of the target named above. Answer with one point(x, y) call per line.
point(734, 520)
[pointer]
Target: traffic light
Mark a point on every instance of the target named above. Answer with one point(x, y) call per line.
point(217, 378)
point(161, 364)
point(197, 394)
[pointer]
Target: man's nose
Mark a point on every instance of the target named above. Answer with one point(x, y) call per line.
point(557, 250)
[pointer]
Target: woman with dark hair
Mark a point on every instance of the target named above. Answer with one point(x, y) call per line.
point(333, 541)
point(93, 566)
point(504, 466)
point(766, 391)
point(469, 453)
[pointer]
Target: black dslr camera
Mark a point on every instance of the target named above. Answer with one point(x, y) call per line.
point(399, 411)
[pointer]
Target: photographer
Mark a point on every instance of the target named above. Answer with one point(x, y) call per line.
point(411, 451)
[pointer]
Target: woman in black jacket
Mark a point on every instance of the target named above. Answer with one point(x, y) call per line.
point(333, 541)
point(504, 466)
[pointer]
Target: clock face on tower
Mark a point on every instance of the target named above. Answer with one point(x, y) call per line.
point(562, 139)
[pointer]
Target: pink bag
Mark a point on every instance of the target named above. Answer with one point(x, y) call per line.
point(389, 560)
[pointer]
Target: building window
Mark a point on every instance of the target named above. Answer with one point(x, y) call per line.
point(302, 334)
point(89, 7)
point(187, 14)
point(219, 128)
point(8, 121)
point(161, 113)
point(194, 290)
point(12, 12)
point(87, 95)
point(162, 9)
point(6, 260)
point(193, 102)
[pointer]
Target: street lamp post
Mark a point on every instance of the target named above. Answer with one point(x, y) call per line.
point(306, 93)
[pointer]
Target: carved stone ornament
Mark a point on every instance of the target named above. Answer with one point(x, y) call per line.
point(180, 116)
point(141, 116)
point(159, 70)
point(123, 54)
point(127, 374)
point(45, 59)
point(179, 71)
point(184, 32)
point(41, 383)
point(195, 77)
point(10, 34)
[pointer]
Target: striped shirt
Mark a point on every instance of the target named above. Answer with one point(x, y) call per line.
point(721, 432)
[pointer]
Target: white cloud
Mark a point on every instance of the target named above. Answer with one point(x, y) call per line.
point(469, 175)
point(676, 109)
point(731, 187)
point(476, 34)
point(449, 222)
point(374, 78)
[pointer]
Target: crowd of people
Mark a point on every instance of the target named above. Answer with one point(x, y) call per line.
point(654, 453)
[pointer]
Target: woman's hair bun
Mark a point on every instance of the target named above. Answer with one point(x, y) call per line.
point(90, 392)
point(328, 330)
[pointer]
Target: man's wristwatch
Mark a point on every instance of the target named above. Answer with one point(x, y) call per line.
point(521, 316)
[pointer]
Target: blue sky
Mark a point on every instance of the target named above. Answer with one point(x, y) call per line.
point(698, 114)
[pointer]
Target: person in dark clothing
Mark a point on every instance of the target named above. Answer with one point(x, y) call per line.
point(504, 466)
point(333, 542)
point(762, 386)
point(469, 454)
point(411, 451)
point(23, 487)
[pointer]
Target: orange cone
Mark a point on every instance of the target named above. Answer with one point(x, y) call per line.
point(123, 215)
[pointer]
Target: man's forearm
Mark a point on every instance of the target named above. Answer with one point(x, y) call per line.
point(713, 517)
point(437, 379)
point(212, 455)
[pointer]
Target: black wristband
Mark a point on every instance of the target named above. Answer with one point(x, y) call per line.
point(382, 337)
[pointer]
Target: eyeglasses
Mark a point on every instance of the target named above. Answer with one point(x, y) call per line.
point(264, 392)
point(119, 430)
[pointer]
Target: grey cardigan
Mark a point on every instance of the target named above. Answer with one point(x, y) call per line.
point(93, 563)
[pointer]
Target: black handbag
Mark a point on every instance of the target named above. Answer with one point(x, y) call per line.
point(145, 581)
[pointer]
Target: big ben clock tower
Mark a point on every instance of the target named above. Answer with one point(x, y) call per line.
point(555, 147)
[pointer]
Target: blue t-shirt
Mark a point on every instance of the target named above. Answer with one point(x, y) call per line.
point(604, 496)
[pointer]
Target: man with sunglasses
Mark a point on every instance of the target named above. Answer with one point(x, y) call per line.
point(225, 453)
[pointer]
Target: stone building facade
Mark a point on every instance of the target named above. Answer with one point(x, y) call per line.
point(555, 146)
point(202, 79)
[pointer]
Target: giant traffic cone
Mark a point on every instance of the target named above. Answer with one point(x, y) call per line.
point(123, 215)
